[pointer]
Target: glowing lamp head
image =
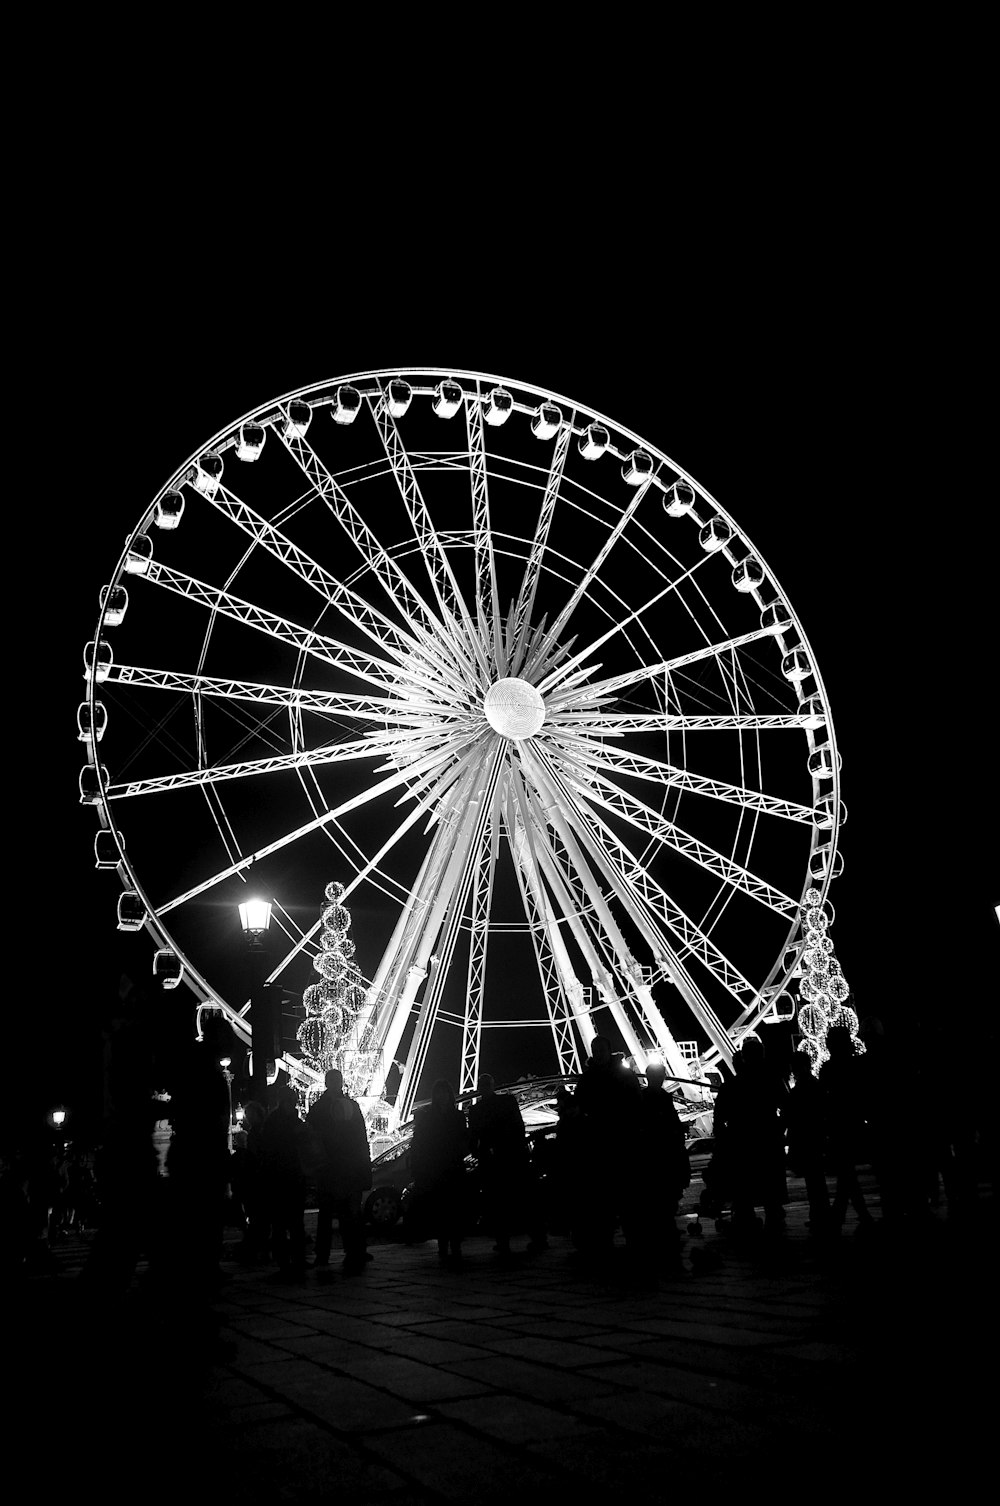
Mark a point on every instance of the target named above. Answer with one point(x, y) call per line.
point(255, 916)
point(514, 708)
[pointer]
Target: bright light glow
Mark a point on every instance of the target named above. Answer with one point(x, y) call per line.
point(514, 708)
point(255, 916)
point(58, 1117)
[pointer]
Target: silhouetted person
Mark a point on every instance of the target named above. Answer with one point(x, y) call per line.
point(497, 1139)
point(607, 1097)
point(197, 1170)
point(806, 1125)
point(750, 1136)
point(282, 1137)
point(345, 1173)
point(565, 1172)
point(842, 1083)
point(440, 1145)
point(662, 1173)
point(250, 1185)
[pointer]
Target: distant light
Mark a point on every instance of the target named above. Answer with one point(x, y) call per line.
point(225, 1061)
point(58, 1117)
point(255, 916)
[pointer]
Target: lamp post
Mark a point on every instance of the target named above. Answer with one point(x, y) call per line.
point(226, 1062)
point(255, 919)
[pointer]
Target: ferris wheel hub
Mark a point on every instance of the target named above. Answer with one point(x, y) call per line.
point(514, 708)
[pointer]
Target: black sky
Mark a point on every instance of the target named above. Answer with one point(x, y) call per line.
point(791, 385)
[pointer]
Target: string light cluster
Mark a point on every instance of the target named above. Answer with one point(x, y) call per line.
point(332, 1003)
point(823, 989)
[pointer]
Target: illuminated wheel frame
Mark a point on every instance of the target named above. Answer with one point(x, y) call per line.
point(508, 672)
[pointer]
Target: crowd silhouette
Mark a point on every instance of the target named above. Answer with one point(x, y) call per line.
point(617, 1163)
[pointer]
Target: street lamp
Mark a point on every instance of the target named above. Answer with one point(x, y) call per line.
point(255, 919)
point(226, 1062)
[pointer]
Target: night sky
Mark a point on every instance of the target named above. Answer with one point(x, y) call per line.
point(788, 397)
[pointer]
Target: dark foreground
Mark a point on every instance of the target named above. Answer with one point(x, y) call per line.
point(858, 1368)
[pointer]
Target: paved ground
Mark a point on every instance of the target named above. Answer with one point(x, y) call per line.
point(860, 1367)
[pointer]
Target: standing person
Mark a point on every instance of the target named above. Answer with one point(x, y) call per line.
point(440, 1145)
point(497, 1139)
point(842, 1083)
point(750, 1136)
point(250, 1185)
point(804, 1115)
point(607, 1096)
point(345, 1174)
point(282, 1137)
point(663, 1171)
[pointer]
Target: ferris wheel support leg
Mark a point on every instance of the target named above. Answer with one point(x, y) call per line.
point(561, 989)
point(644, 1001)
point(444, 921)
point(482, 895)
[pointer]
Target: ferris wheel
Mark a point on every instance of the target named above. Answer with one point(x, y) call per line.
point(499, 674)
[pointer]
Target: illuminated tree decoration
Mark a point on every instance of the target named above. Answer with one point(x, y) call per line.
point(823, 989)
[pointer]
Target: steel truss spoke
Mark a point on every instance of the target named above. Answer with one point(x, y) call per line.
point(590, 575)
point(325, 703)
point(407, 745)
point(487, 610)
point(556, 677)
point(562, 991)
point(449, 597)
point(648, 820)
point(663, 952)
point(393, 782)
point(392, 639)
point(483, 873)
point(561, 699)
point(583, 756)
point(379, 672)
point(524, 606)
point(612, 724)
point(578, 880)
point(444, 922)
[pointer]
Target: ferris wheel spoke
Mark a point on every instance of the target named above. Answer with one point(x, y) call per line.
point(597, 790)
point(325, 703)
point(481, 898)
point(524, 606)
point(583, 756)
point(376, 745)
point(593, 571)
point(379, 672)
point(558, 676)
point(561, 700)
point(611, 724)
point(445, 918)
point(664, 954)
point(373, 792)
point(353, 607)
point(645, 894)
point(396, 584)
point(561, 989)
point(581, 880)
point(487, 605)
point(446, 589)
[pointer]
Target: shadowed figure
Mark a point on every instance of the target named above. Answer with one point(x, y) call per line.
point(249, 1184)
point(750, 1142)
point(842, 1082)
point(804, 1117)
point(440, 1145)
point(283, 1144)
point(497, 1139)
point(607, 1098)
point(344, 1175)
point(663, 1171)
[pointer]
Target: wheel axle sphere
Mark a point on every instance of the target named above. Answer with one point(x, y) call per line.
point(514, 708)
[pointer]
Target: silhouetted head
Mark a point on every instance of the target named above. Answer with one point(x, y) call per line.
point(487, 1085)
point(656, 1074)
point(443, 1094)
point(750, 1056)
point(838, 1041)
point(253, 1113)
point(286, 1100)
point(334, 1080)
point(600, 1050)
